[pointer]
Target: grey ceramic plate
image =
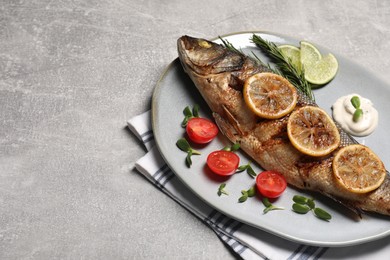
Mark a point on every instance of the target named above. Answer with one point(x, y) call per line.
point(175, 91)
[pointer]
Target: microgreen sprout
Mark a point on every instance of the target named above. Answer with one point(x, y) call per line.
point(221, 190)
point(183, 145)
point(248, 168)
point(358, 114)
point(247, 194)
point(303, 205)
point(188, 114)
point(269, 206)
point(232, 148)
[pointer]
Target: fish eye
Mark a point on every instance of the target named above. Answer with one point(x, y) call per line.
point(204, 44)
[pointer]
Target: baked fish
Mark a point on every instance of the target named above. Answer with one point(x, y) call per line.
point(219, 74)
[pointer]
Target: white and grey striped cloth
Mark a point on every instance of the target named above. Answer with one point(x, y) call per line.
point(248, 242)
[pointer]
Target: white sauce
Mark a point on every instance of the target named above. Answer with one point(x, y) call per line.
point(343, 111)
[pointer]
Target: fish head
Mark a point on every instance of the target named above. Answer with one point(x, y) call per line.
point(205, 57)
point(219, 74)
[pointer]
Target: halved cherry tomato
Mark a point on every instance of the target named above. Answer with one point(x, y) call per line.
point(271, 184)
point(201, 130)
point(223, 162)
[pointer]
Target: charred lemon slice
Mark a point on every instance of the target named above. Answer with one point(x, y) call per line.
point(269, 95)
point(358, 169)
point(312, 131)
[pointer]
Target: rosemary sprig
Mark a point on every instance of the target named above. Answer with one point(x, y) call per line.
point(230, 46)
point(284, 67)
point(256, 59)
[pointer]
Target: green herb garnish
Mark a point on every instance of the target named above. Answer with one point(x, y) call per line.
point(355, 100)
point(269, 206)
point(300, 208)
point(232, 148)
point(358, 114)
point(244, 196)
point(248, 168)
point(251, 191)
point(183, 145)
point(322, 214)
point(256, 59)
point(300, 199)
point(221, 189)
point(231, 47)
point(247, 194)
point(188, 114)
point(303, 205)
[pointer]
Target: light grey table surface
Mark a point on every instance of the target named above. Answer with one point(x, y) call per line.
point(73, 72)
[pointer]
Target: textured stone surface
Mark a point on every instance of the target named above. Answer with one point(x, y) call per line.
point(72, 73)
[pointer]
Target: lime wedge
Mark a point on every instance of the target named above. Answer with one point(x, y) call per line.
point(319, 69)
point(291, 54)
point(322, 71)
point(309, 54)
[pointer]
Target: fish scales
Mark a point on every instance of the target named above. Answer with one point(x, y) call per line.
point(219, 75)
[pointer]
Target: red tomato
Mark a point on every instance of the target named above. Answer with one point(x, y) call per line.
point(201, 130)
point(223, 162)
point(271, 184)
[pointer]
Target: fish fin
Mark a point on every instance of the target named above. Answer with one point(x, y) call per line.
point(349, 205)
point(232, 120)
point(226, 128)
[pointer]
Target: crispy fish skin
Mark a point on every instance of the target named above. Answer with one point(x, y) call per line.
point(219, 74)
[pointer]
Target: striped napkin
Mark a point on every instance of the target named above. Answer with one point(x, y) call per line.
point(246, 241)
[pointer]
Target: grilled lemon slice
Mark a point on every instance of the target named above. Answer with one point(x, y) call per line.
point(269, 95)
point(312, 131)
point(358, 169)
